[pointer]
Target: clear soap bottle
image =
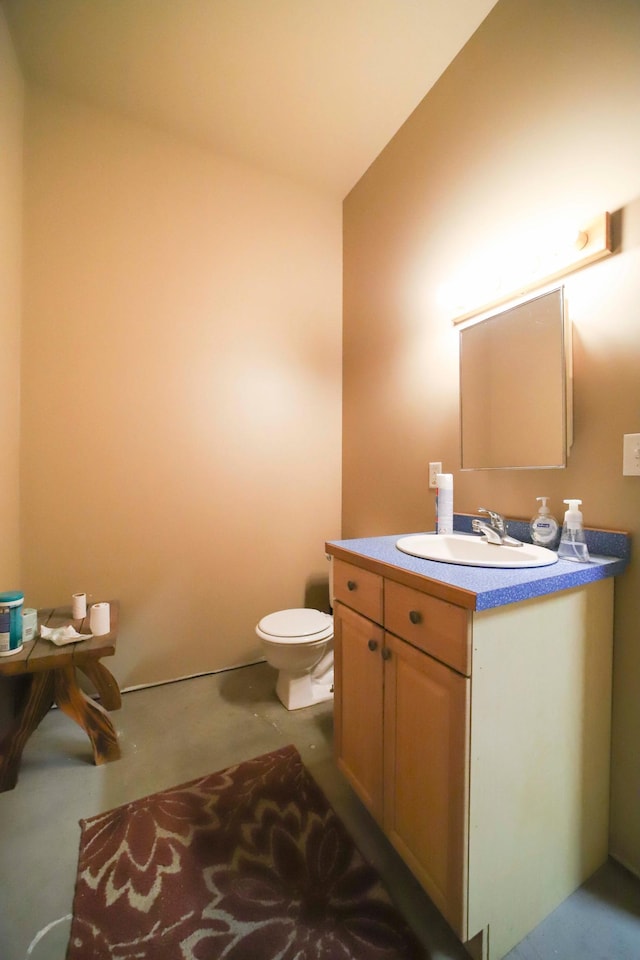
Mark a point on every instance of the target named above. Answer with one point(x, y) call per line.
point(544, 527)
point(573, 545)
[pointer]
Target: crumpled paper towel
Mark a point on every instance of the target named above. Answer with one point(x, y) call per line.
point(62, 635)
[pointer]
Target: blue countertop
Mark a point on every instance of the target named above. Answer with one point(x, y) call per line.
point(485, 587)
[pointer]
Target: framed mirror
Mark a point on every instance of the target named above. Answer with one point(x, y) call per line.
point(515, 387)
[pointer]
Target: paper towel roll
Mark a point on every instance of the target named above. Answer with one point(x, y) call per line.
point(78, 605)
point(99, 619)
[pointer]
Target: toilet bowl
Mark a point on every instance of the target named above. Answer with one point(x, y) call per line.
point(299, 644)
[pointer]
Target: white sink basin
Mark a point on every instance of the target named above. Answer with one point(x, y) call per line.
point(474, 551)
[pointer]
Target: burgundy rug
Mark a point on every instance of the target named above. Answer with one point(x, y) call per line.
point(250, 863)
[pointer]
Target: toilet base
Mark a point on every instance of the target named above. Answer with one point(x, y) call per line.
point(297, 690)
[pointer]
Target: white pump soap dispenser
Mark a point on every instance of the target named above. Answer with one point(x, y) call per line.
point(573, 545)
point(544, 527)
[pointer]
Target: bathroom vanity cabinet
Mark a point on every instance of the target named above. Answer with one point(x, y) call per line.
point(477, 738)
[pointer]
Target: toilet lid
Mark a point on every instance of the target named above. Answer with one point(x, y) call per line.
point(297, 624)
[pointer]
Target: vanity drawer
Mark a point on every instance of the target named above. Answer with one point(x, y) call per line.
point(439, 628)
point(358, 589)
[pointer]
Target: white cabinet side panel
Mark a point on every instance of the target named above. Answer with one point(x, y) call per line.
point(540, 743)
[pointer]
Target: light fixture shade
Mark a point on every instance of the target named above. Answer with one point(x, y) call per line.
point(589, 244)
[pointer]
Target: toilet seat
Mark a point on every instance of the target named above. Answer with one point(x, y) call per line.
point(299, 625)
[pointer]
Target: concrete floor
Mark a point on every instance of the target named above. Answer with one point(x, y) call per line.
point(176, 732)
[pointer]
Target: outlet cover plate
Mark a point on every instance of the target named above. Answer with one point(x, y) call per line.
point(434, 470)
point(631, 455)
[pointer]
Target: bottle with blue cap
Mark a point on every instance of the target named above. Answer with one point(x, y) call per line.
point(573, 545)
point(11, 622)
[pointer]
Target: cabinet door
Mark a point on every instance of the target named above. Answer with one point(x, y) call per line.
point(426, 747)
point(358, 704)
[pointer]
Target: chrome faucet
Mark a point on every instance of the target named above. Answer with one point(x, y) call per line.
point(495, 530)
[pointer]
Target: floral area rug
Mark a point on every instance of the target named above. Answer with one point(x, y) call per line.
point(250, 863)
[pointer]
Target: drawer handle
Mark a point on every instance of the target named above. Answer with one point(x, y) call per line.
point(373, 645)
point(386, 653)
point(351, 585)
point(415, 616)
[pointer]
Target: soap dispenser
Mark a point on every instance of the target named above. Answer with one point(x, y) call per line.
point(544, 527)
point(573, 545)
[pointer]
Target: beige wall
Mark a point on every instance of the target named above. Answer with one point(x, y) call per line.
point(181, 408)
point(536, 118)
point(11, 119)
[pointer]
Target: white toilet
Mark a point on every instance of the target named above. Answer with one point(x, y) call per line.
point(299, 644)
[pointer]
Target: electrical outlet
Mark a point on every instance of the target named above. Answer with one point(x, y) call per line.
point(434, 470)
point(631, 455)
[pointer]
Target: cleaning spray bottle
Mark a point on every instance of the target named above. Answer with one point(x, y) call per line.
point(444, 503)
point(573, 545)
point(544, 528)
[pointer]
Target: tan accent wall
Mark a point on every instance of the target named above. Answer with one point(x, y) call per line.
point(182, 394)
point(536, 118)
point(11, 124)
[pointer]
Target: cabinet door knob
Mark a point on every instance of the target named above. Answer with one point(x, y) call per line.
point(386, 653)
point(415, 616)
point(351, 585)
point(373, 644)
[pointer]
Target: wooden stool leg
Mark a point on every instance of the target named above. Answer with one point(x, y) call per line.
point(104, 682)
point(33, 708)
point(91, 716)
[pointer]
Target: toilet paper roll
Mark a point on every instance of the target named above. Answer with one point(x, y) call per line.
point(78, 605)
point(99, 619)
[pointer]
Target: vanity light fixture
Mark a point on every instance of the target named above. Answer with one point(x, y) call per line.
point(591, 243)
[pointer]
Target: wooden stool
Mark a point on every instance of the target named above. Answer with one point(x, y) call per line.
point(51, 676)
